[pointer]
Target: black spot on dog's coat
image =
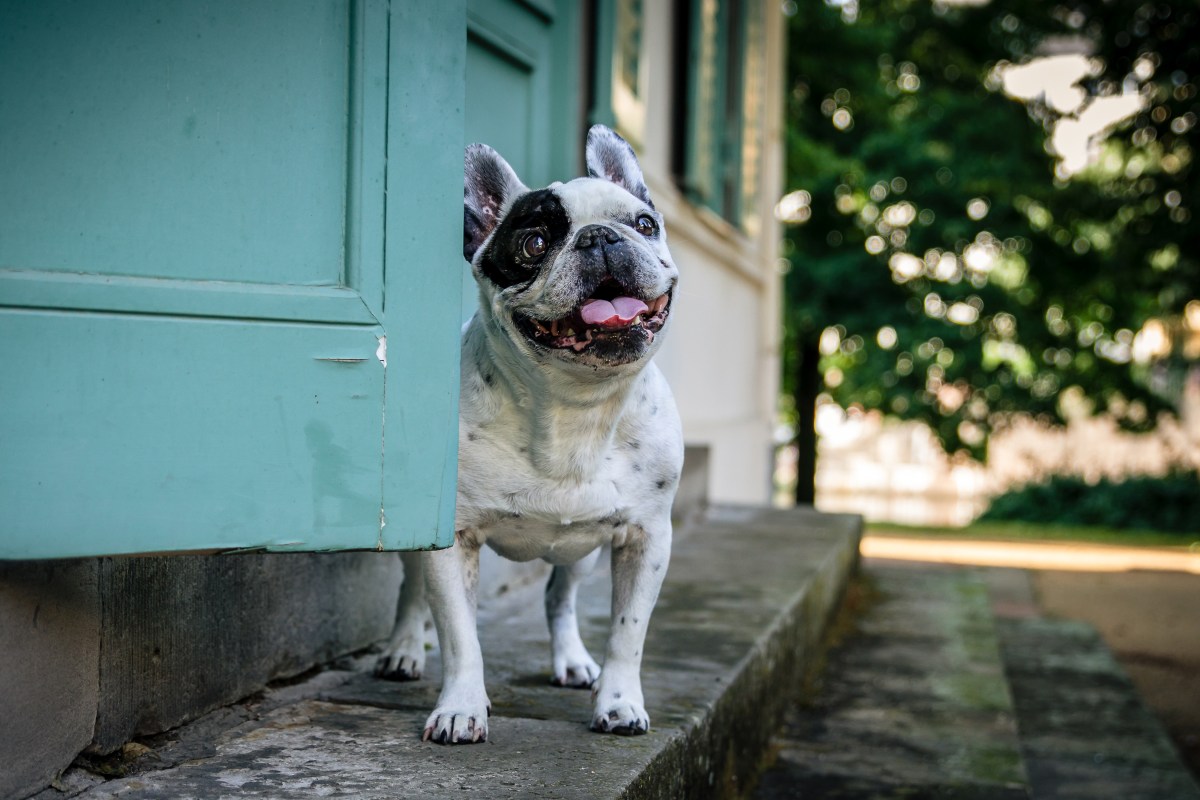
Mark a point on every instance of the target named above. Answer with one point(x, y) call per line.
point(539, 211)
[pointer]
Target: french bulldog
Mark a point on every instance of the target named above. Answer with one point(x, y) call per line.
point(569, 439)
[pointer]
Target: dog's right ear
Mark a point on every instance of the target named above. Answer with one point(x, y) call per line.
point(489, 184)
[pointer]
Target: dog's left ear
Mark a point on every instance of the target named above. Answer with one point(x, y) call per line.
point(489, 185)
point(610, 157)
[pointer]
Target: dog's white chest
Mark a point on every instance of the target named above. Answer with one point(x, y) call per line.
point(557, 473)
point(523, 517)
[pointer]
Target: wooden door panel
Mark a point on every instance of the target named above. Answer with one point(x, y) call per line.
point(158, 433)
point(204, 209)
point(176, 138)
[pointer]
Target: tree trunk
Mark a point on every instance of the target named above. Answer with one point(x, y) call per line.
point(808, 386)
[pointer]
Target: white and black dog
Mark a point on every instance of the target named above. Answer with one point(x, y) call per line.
point(569, 439)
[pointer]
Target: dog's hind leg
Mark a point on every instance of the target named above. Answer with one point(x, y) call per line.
point(571, 664)
point(403, 659)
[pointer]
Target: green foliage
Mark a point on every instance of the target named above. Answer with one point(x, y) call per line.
point(964, 281)
point(1169, 503)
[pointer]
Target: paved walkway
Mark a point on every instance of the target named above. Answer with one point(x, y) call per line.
point(1151, 622)
point(950, 683)
point(1144, 602)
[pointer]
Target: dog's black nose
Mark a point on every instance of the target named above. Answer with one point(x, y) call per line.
point(591, 235)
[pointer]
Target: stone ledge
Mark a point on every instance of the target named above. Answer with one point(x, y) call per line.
point(742, 609)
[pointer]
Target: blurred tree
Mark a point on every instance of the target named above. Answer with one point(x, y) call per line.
point(1144, 181)
point(940, 270)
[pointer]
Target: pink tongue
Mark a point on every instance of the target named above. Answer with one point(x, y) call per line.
point(615, 314)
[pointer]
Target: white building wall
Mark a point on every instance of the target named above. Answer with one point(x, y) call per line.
point(722, 355)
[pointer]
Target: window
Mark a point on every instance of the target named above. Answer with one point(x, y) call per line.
point(720, 104)
point(629, 105)
point(619, 78)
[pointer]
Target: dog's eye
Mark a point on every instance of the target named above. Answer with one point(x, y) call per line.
point(534, 246)
point(645, 225)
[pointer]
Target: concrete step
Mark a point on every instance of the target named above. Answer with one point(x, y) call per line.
point(948, 684)
point(913, 703)
point(744, 604)
point(1085, 733)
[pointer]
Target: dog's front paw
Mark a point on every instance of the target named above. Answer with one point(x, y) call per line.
point(575, 669)
point(625, 719)
point(404, 661)
point(464, 722)
point(619, 712)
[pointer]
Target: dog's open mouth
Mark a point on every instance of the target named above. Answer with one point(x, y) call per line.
point(610, 313)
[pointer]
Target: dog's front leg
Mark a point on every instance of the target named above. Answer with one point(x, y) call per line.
point(452, 580)
point(638, 567)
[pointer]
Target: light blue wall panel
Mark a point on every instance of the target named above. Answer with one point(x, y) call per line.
point(500, 100)
point(523, 91)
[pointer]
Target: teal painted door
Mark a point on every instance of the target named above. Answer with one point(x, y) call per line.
point(230, 238)
point(523, 90)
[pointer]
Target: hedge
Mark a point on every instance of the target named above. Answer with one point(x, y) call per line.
point(1168, 503)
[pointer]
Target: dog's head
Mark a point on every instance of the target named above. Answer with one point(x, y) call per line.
point(578, 272)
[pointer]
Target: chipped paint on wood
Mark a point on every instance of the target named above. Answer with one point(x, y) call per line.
point(381, 351)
